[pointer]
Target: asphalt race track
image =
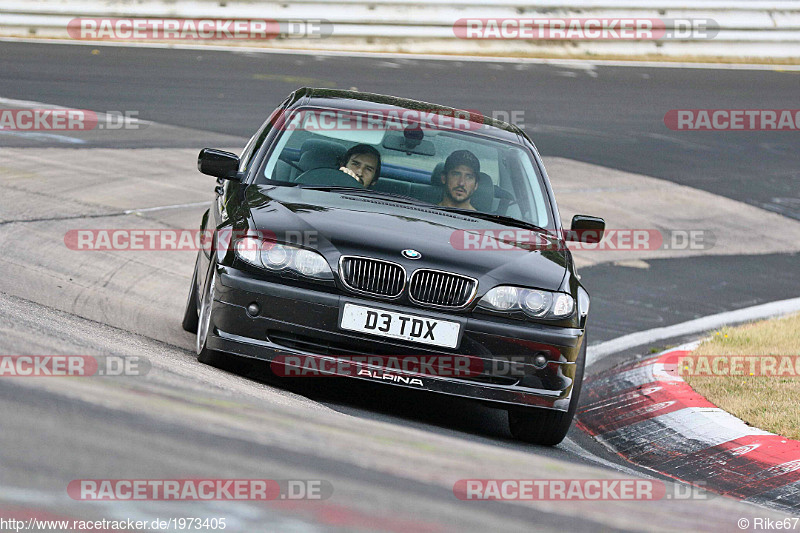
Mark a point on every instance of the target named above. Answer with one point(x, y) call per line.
point(391, 457)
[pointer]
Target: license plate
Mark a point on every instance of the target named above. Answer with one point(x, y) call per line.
point(400, 325)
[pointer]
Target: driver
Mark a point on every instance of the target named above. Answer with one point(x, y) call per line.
point(363, 163)
point(460, 179)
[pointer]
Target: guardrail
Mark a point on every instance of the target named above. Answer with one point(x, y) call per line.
point(745, 29)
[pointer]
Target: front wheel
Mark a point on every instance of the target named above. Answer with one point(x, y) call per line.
point(204, 354)
point(190, 319)
point(543, 426)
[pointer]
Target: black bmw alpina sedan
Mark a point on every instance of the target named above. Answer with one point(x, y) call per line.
point(396, 241)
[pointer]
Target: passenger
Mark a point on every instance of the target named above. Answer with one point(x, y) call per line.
point(362, 162)
point(460, 179)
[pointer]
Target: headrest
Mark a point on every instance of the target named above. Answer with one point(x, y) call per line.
point(483, 197)
point(320, 145)
point(437, 171)
point(316, 153)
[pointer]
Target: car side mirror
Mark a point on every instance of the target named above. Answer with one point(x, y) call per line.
point(586, 228)
point(218, 163)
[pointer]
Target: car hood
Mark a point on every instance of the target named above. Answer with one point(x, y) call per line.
point(336, 223)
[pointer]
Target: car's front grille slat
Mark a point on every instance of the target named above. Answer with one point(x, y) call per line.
point(384, 279)
point(395, 282)
point(443, 289)
point(372, 276)
point(370, 286)
point(430, 293)
point(448, 291)
point(441, 286)
point(458, 291)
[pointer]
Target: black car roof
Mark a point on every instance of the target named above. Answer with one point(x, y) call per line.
point(356, 100)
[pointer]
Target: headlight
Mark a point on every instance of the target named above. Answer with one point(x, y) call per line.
point(283, 258)
point(563, 305)
point(533, 302)
point(310, 264)
point(248, 250)
point(501, 298)
point(275, 256)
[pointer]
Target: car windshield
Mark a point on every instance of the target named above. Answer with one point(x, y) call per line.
point(437, 159)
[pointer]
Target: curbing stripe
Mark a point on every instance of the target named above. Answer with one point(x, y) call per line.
point(647, 414)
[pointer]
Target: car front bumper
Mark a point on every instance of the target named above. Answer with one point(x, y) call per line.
point(296, 320)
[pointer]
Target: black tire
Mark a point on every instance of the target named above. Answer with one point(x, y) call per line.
point(204, 354)
point(190, 319)
point(543, 426)
point(221, 360)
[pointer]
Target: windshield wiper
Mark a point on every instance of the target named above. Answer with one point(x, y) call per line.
point(332, 188)
point(401, 198)
point(502, 219)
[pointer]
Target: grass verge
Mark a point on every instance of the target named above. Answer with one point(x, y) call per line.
point(770, 402)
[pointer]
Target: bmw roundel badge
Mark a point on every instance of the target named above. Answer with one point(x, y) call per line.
point(411, 254)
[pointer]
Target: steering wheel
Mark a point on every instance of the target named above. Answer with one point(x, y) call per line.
point(283, 157)
point(506, 200)
point(327, 177)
